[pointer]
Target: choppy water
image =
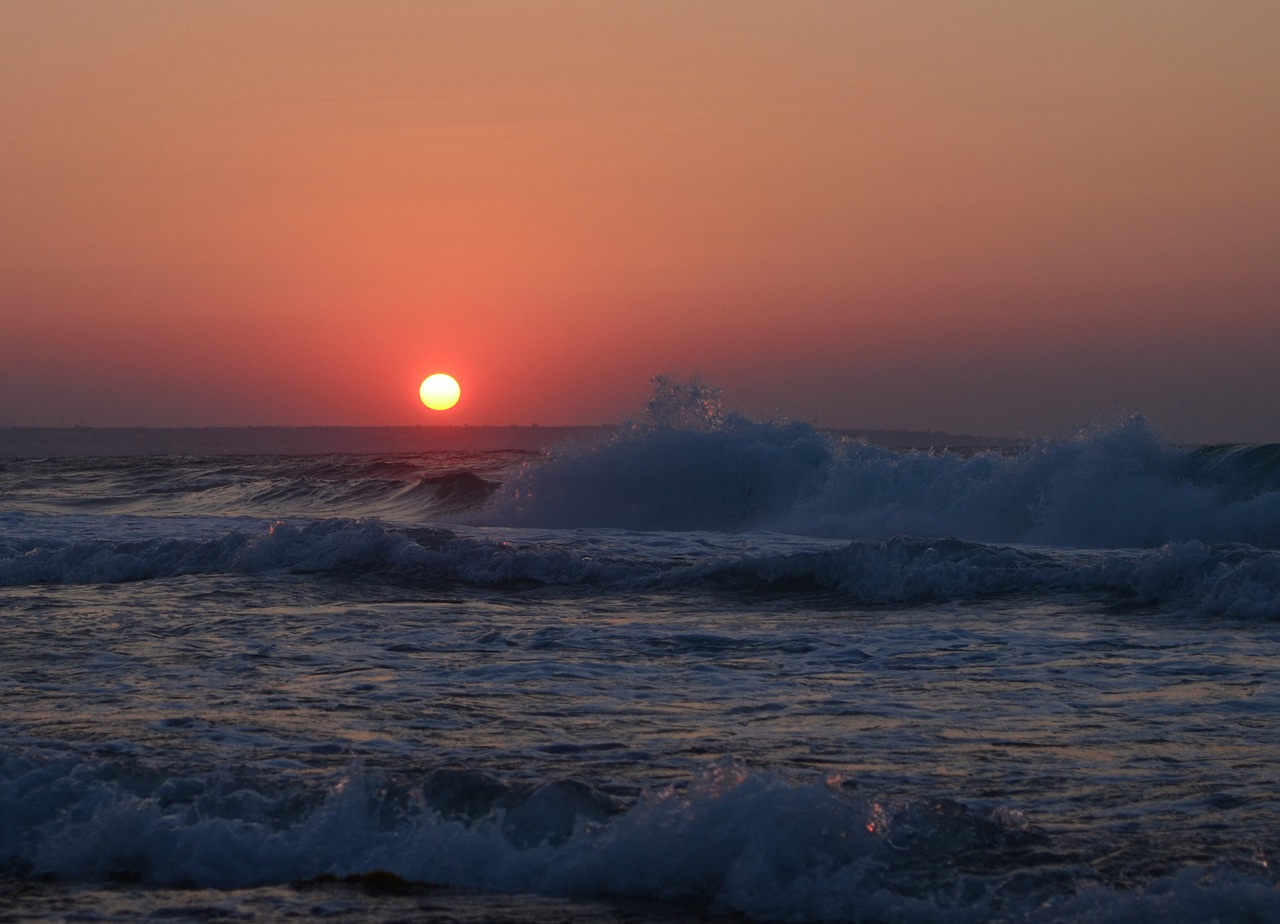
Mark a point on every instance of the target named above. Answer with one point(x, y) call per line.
point(735, 669)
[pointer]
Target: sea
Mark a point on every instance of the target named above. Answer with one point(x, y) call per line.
point(689, 668)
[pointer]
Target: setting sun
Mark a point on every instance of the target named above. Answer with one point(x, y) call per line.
point(439, 391)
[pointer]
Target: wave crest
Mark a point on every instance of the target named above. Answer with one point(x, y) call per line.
point(1119, 488)
point(739, 475)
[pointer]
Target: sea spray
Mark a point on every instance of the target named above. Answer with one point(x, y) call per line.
point(1119, 488)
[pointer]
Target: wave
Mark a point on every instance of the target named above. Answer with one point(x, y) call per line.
point(1117, 488)
point(1244, 471)
point(1235, 580)
point(730, 839)
point(406, 488)
point(1231, 580)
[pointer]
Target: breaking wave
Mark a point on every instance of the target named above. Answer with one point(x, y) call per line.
point(731, 839)
point(1228, 579)
point(1117, 488)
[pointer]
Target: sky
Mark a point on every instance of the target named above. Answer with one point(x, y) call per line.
point(992, 217)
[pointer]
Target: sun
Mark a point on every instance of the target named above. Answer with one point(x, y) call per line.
point(439, 392)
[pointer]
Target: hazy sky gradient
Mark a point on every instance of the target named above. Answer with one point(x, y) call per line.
point(991, 217)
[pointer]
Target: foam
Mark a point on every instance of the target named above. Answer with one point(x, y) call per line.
point(731, 840)
point(1117, 488)
point(1235, 579)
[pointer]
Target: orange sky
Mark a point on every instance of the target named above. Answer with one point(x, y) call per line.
point(990, 217)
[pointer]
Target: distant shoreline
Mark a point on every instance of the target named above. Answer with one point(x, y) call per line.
point(70, 442)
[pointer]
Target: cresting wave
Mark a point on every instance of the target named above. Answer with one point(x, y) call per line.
point(1234, 580)
point(730, 840)
point(1118, 488)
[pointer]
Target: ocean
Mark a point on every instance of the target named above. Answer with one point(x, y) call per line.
point(681, 670)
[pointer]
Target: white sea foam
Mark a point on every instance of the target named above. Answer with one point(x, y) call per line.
point(732, 840)
point(1115, 488)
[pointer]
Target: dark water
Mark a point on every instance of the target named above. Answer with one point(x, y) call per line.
point(720, 668)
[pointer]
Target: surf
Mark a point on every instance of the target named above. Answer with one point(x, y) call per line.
point(1123, 487)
